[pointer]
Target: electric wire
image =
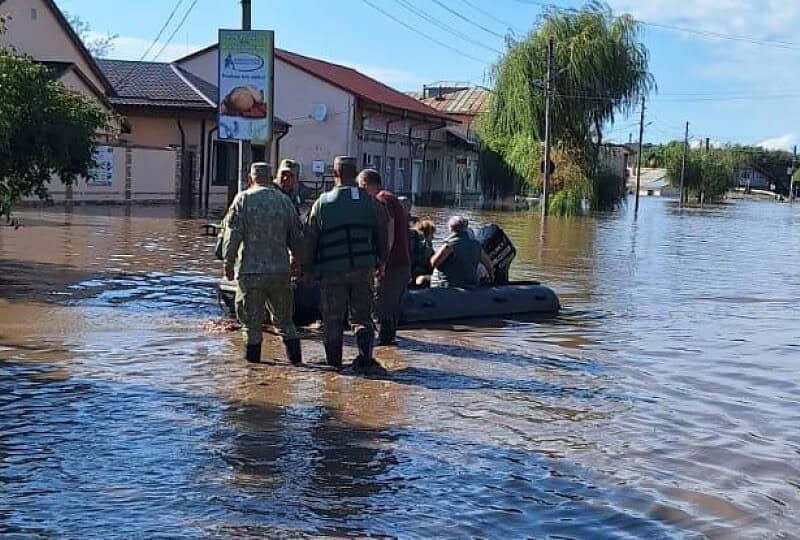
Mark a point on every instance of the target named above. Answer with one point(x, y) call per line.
point(489, 15)
point(467, 19)
point(699, 32)
point(177, 28)
point(423, 34)
point(164, 26)
point(443, 26)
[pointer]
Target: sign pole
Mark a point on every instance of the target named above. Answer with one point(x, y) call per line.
point(245, 150)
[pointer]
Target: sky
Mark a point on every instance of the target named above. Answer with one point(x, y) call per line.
point(740, 88)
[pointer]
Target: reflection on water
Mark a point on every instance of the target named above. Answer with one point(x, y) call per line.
point(661, 404)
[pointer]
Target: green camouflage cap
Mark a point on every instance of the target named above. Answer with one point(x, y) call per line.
point(261, 170)
point(288, 165)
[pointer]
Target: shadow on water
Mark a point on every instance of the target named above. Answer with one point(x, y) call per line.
point(504, 357)
point(28, 281)
point(96, 458)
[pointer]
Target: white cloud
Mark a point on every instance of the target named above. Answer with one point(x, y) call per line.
point(760, 19)
point(784, 142)
point(132, 48)
point(396, 78)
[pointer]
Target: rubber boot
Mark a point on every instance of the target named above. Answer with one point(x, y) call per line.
point(387, 333)
point(333, 354)
point(364, 362)
point(253, 353)
point(293, 351)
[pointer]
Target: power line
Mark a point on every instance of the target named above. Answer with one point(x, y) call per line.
point(699, 32)
point(489, 14)
point(443, 26)
point(124, 79)
point(470, 21)
point(175, 31)
point(423, 34)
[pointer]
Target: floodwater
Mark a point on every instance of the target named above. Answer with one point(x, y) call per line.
point(662, 403)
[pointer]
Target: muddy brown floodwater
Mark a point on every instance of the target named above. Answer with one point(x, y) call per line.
point(662, 403)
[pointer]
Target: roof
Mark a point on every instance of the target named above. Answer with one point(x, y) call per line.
point(349, 80)
point(155, 84)
point(651, 179)
point(59, 69)
point(471, 101)
point(76, 40)
point(160, 85)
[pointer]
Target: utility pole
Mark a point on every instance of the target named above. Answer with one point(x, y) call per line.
point(639, 159)
point(791, 176)
point(548, 97)
point(683, 163)
point(245, 149)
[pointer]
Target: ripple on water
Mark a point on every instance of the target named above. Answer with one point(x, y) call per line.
point(660, 404)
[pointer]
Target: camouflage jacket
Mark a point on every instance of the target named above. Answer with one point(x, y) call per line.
point(261, 227)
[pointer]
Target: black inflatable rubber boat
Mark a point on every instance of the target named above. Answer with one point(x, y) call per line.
point(434, 304)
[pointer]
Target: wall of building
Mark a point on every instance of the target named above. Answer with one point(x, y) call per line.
point(34, 30)
point(140, 174)
point(296, 94)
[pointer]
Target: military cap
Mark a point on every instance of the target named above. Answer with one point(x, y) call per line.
point(260, 170)
point(338, 161)
point(288, 165)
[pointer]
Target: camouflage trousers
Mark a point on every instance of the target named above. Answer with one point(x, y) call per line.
point(257, 293)
point(389, 293)
point(351, 291)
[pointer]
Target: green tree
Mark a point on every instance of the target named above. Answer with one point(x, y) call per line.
point(45, 129)
point(601, 70)
point(708, 174)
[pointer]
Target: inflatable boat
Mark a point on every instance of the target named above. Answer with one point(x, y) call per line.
point(434, 304)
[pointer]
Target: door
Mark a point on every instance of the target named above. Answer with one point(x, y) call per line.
point(416, 169)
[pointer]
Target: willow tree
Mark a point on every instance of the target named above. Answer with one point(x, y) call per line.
point(601, 70)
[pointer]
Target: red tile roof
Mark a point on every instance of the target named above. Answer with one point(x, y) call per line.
point(352, 81)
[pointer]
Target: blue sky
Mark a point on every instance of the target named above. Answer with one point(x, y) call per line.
point(700, 79)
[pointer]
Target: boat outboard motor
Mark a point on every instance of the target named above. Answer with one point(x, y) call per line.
point(498, 246)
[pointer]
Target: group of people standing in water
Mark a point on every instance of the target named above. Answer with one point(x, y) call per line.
point(358, 240)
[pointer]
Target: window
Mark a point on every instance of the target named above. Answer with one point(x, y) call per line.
point(376, 163)
point(227, 162)
point(259, 152)
point(403, 164)
point(34, 14)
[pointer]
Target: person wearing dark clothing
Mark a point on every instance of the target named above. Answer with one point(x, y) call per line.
point(391, 286)
point(421, 246)
point(346, 244)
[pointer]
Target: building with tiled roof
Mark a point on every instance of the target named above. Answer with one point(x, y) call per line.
point(335, 109)
point(462, 103)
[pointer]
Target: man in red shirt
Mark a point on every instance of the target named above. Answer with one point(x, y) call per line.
point(391, 285)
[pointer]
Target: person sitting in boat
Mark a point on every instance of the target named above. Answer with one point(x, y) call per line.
point(421, 240)
point(455, 264)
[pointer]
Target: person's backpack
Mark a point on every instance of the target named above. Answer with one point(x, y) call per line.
point(498, 246)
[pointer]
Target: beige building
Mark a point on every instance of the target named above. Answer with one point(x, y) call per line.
point(167, 149)
point(334, 110)
point(460, 181)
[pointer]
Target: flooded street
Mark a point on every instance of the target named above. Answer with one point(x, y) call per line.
point(662, 403)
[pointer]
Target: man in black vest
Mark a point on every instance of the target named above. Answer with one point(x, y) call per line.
point(347, 244)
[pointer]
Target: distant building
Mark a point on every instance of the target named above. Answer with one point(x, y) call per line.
point(754, 178)
point(653, 183)
point(460, 182)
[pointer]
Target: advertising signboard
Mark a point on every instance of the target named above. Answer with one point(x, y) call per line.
point(246, 67)
point(102, 173)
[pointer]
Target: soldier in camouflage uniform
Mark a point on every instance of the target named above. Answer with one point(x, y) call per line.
point(262, 226)
point(346, 239)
